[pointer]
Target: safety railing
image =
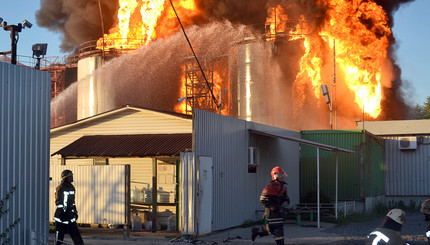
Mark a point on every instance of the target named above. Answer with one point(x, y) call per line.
point(327, 209)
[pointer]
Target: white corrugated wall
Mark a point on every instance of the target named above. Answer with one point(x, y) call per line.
point(24, 150)
point(236, 192)
point(100, 192)
point(407, 172)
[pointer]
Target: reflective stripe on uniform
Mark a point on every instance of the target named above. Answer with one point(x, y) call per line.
point(60, 206)
point(379, 236)
point(59, 220)
point(279, 238)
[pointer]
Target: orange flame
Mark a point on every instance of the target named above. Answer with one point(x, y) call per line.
point(361, 31)
point(143, 21)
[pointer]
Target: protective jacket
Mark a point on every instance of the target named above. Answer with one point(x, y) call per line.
point(381, 236)
point(273, 196)
point(66, 212)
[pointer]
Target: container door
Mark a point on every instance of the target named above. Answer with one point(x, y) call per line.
point(205, 195)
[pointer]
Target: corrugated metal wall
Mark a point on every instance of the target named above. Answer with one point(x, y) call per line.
point(236, 192)
point(361, 174)
point(100, 192)
point(407, 172)
point(24, 150)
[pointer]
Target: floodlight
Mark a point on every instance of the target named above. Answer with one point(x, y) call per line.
point(39, 49)
point(27, 24)
point(324, 91)
point(182, 99)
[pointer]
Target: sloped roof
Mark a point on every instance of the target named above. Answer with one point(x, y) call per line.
point(136, 145)
point(118, 110)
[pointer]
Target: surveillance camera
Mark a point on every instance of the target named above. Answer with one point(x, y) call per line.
point(27, 24)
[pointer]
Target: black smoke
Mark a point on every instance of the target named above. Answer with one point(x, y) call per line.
point(77, 20)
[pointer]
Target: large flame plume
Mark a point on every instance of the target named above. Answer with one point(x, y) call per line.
point(142, 21)
point(359, 32)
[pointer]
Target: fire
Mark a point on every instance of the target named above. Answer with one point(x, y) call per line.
point(142, 21)
point(361, 32)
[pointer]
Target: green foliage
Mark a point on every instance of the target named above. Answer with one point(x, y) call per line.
point(422, 111)
point(4, 235)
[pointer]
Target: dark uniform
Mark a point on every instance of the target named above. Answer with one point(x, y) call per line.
point(384, 236)
point(66, 214)
point(389, 230)
point(425, 209)
point(272, 198)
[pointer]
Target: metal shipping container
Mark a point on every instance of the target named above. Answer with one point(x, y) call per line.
point(360, 174)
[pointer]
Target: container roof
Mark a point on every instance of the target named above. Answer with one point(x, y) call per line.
point(396, 127)
point(136, 145)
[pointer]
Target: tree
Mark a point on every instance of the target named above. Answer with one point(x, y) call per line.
point(422, 111)
point(426, 109)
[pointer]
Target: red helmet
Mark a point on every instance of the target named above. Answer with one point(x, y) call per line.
point(278, 173)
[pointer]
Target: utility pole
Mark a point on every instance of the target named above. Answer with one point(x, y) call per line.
point(14, 29)
point(334, 83)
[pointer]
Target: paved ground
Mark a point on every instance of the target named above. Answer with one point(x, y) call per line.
point(308, 233)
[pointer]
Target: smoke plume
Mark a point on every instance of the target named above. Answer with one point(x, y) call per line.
point(77, 20)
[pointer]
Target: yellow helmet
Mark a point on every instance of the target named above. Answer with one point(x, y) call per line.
point(425, 207)
point(397, 215)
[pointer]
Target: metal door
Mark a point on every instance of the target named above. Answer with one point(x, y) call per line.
point(205, 194)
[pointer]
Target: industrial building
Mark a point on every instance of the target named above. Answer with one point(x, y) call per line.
point(407, 151)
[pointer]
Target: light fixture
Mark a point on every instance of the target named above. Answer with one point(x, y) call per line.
point(1, 20)
point(39, 49)
point(14, 30)
point(182, 99)
point(27, 24)
point(324, 91)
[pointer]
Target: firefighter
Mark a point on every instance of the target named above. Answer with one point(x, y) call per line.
point(272, 198)
point(388, 232)
point(425, 210)
point(66, 214)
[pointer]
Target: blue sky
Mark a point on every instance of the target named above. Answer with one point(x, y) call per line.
point(411, 30)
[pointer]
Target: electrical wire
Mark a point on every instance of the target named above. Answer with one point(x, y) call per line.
point(194, 54)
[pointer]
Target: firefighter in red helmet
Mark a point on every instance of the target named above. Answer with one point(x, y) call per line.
point(272, 198)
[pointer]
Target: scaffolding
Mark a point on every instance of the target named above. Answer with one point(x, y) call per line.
point(57, 66)
point(196, 88)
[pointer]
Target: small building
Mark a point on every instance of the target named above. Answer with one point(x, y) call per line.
point(231, 163)
point(360, 175)
point(407, 158)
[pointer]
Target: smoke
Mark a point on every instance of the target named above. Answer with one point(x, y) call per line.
point(248, 12)
point(77, 20)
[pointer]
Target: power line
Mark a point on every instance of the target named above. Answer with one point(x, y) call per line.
point(194, 54)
